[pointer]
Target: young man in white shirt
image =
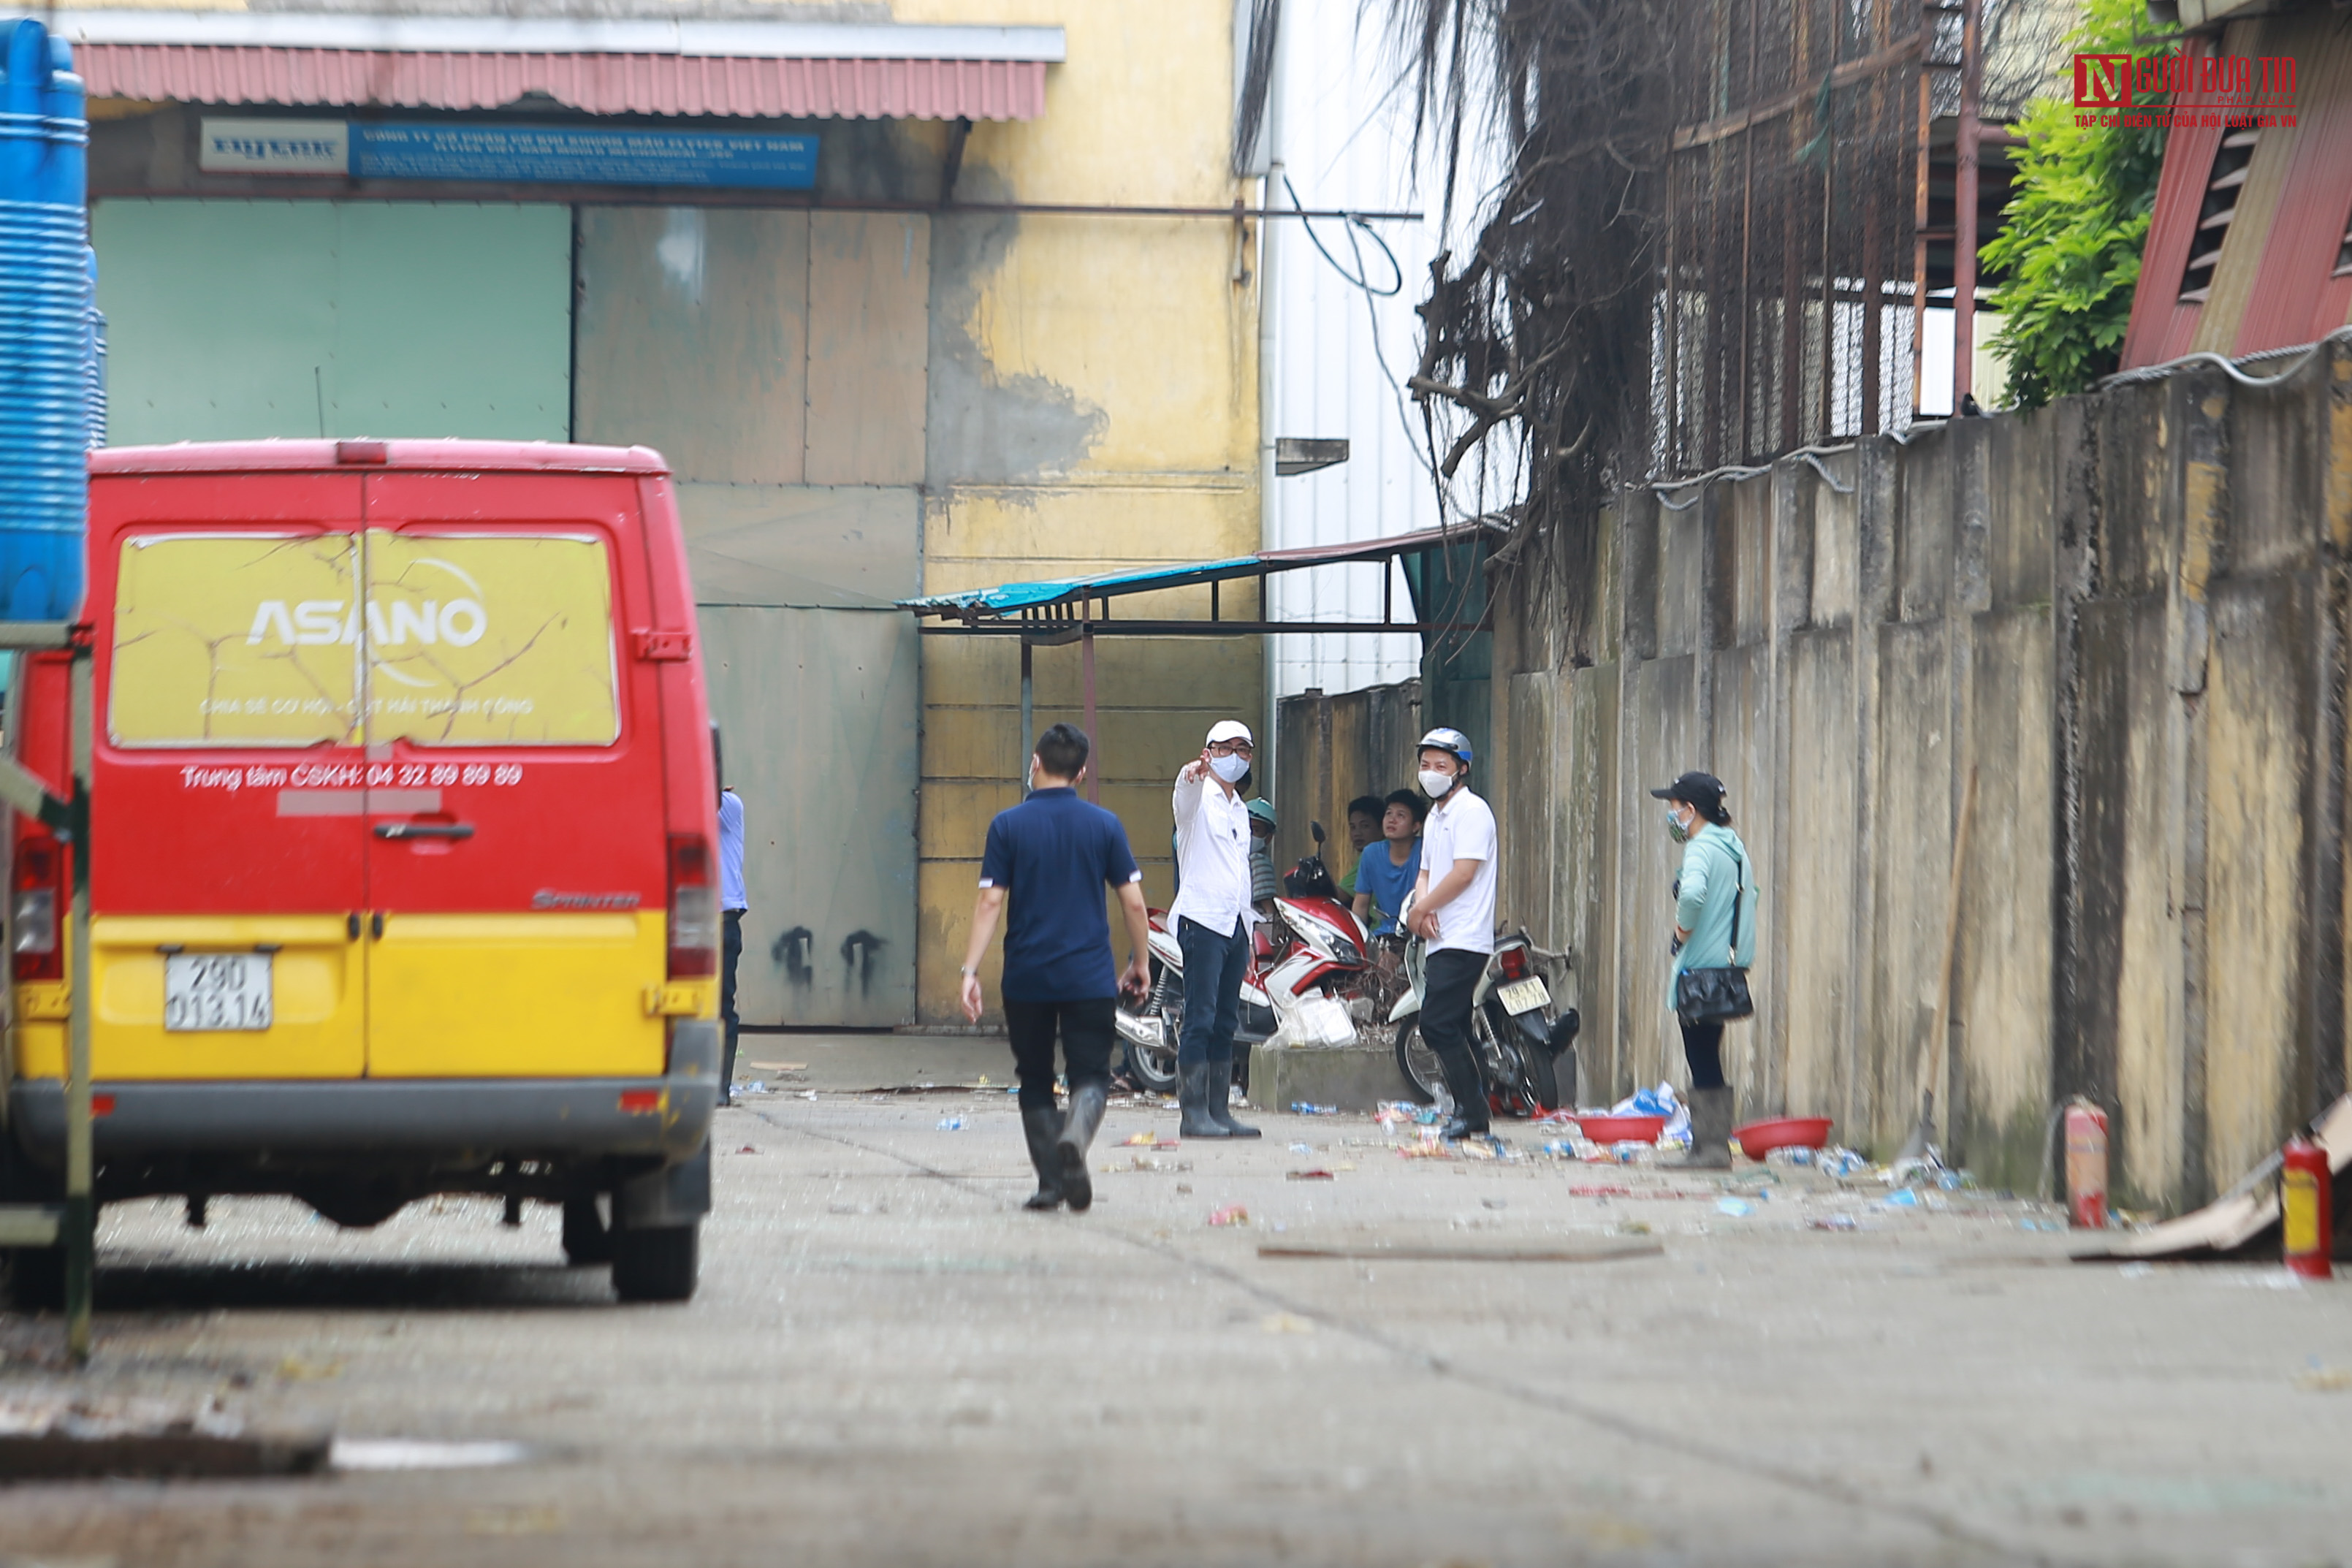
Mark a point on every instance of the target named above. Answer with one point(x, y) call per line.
point(1212, 916)
point(1453, 912)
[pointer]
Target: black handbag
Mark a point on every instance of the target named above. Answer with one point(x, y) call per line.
point(1718, 996)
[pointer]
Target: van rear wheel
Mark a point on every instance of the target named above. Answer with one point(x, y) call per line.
point(656, 1264)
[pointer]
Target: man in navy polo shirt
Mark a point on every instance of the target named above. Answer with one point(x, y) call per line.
point(1050, 858)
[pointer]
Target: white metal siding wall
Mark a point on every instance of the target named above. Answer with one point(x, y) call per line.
point(1347, 141)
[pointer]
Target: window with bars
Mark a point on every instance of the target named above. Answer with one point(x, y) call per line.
point(2231, 162)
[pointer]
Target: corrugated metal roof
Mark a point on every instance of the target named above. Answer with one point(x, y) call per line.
point(594, 83)
point(1011, 598)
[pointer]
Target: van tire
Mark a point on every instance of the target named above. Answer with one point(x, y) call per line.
point(586, 1240)
point(658, 1264)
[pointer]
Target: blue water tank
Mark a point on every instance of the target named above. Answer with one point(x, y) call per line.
point(47, 306)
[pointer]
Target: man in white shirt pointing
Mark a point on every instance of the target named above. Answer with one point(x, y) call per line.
point(1212, 916)
point(1453, 912)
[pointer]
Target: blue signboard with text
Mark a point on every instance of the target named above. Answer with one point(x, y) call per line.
point(583, 155)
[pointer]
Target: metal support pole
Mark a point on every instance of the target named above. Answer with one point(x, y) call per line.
point(1094, 734)
point(80, 1218)
point(1920, 215)
point(1028, 706)
point(1964, 214)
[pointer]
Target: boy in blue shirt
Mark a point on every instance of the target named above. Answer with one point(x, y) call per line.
point(1049, 858)
point(1391, 867)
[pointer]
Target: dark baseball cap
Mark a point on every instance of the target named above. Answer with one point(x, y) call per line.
point(1704, 791)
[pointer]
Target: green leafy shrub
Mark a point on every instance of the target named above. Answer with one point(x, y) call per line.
point(2073, 232)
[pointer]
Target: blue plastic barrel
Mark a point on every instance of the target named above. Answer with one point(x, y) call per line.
point(47, 348)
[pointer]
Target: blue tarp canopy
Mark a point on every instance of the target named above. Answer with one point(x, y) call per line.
point(1074, 598)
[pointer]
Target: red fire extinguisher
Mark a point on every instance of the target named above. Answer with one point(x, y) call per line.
point(2086, 1166)
point(2307, 1197)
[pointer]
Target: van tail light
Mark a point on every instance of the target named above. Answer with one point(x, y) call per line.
point(693, 907)
point(1513, 962)
point(37, 899)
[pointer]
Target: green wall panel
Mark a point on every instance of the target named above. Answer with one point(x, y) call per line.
point(231, 319)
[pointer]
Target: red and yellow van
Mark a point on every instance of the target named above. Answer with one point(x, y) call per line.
point(404, 846)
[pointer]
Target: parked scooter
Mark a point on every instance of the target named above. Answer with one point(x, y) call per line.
point(1304, 964)
point(1525, 1052)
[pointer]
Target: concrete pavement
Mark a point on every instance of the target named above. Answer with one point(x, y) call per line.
point(890, 1362)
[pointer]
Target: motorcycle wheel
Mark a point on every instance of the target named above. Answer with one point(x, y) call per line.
point(1533, 1088)
point(1542, 1079)
point(1154, 1067)
point(1424, 1074)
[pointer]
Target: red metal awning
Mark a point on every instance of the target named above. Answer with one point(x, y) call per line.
point(592, 83)
point(617, 65)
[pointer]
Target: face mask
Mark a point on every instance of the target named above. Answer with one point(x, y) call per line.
point(1674, 828)
point(1435, 785)
point(1229, 768)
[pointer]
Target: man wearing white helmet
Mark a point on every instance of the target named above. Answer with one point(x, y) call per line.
point(1212, 918)
point(1453, 912)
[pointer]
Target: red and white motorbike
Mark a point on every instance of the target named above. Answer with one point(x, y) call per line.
point(1304, 964)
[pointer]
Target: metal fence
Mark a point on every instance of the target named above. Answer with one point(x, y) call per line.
point(1813, 215)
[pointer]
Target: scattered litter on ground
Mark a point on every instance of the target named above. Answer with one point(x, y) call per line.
point(757, 1086)
point(1287, 1323)
point(1735, 1207)
point(1234, 1216)
point(1184, 1187)
point(1838, 1162)
point(1633, 1228)
point(1302, 1108)
point(748, 1149)
point(1901, 1198)
point(1302, 1148)
point(808, 1094)
point(1395, 1112)
point(779, 1066)
point(1833, 1222)
point(2325, 1380)
point(1317, 1174)
point(1148, 1140)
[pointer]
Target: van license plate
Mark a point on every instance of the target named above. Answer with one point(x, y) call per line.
point(1524, 995)
point(215, 991)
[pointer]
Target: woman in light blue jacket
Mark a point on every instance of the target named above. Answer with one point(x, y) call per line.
point(1714, 928)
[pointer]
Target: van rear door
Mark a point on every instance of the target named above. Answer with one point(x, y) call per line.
point(227, 891)
point(515, 840)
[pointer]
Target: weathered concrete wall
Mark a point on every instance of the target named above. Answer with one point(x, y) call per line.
point(1091, 404)
point(1334, 749)
point(2125, 616)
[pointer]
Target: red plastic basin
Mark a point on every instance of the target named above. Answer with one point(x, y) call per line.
point(1622, 1128)
point(1758, 1138)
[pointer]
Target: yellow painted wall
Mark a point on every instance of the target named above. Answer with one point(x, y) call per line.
point(1094, 405)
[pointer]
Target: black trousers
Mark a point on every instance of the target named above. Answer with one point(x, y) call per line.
point(1703, 1048)
point(730, 956)
point(1450, 976)
point(1088, 1029)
